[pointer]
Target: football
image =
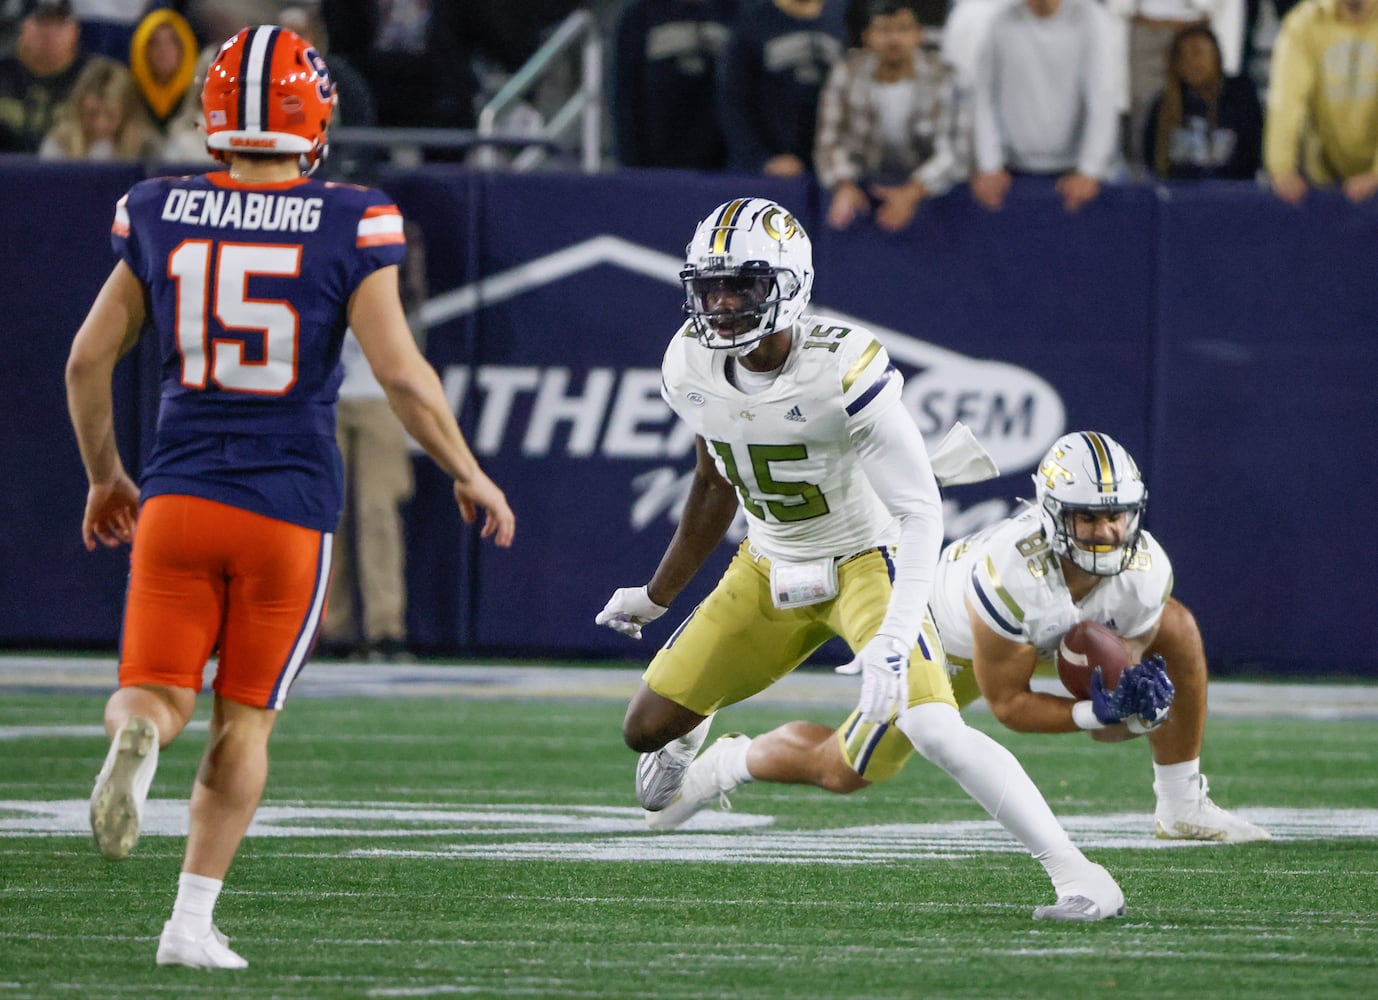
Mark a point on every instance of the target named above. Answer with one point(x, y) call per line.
point(1085, 647)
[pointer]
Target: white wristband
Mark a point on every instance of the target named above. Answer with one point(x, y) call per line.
point(1138, 726)
point(1084, 715)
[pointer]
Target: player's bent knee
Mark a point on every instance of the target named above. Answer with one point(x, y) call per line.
point(843, 780)
point(647, 735)
point(937, 732)
point(1179, 623)
point(652, 720)
point(170, 708)
point(830, 769)
point(641, 741)
point(1179, 641)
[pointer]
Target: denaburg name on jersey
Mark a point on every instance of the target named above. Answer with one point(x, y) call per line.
point(252, 210)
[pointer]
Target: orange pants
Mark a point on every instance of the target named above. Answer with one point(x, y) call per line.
point(204, 574)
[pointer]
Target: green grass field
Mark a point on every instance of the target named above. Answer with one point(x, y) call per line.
point(438, 846)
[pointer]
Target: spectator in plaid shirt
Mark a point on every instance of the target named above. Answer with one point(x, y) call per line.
point(888, 128)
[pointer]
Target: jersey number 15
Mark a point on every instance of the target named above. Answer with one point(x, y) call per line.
point(214, 280)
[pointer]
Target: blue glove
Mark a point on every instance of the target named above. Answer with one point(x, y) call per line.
point(1144, 690)
point(1111, 707)
point(1154, 694)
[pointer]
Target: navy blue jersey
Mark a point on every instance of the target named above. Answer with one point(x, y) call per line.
point(247, 287)
point(769, 77)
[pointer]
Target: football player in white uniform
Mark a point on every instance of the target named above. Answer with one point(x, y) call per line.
point(798, 418)
point(1004, 596)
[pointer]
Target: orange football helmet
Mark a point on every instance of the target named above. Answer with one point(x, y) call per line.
point(268, 91)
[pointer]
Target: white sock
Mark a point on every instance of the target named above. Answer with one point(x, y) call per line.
point(1063, 864)
point(734, 762)
point(990, 774)
point(196, 897)
point(1177, 782)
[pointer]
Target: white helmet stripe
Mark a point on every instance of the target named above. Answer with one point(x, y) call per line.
point(254, 85)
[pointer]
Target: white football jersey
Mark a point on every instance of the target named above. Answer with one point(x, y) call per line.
point(1011, 576)
point(787, 448)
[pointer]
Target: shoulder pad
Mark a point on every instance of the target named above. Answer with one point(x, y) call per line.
point(678, 353)
point(862, 365)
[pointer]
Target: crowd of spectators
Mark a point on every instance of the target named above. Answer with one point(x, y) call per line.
point(887, 102)
point(904, 99)
point(401, 63)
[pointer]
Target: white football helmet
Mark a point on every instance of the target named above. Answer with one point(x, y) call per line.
point(1090, 472)
point(756, 254)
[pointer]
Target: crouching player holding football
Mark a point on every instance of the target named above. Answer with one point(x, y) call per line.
point(1005, 596)
point(250, 277)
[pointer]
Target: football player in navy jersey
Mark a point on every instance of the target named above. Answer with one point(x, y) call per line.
point(250, 277)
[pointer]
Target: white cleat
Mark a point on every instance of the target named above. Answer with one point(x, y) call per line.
point(705, 781)
point(1075, 908)
point(659, 774)
point(1201, 819)
point(209, 951)
point(1095, 896)
point(117, 802)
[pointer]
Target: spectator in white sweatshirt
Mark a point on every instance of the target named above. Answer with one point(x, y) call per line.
point(1045, 100)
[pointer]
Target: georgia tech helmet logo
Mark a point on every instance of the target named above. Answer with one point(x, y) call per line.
point(782, 230)
point(1051, 471)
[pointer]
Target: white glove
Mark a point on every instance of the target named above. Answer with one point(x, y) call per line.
point(628, 609)
point(883, 664)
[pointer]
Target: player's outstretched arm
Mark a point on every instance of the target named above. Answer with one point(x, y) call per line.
point(110, 329)
point(708, 512)
point(416, 396)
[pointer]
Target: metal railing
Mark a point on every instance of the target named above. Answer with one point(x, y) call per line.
point(584, 107)
point(404, 147)
point(491, 145)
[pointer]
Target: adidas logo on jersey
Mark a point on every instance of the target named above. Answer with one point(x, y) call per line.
point(795, 415)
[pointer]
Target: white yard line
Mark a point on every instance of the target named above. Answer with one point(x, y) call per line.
point(807, 686)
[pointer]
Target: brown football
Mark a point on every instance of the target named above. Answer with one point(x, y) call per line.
point(1085, 647)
